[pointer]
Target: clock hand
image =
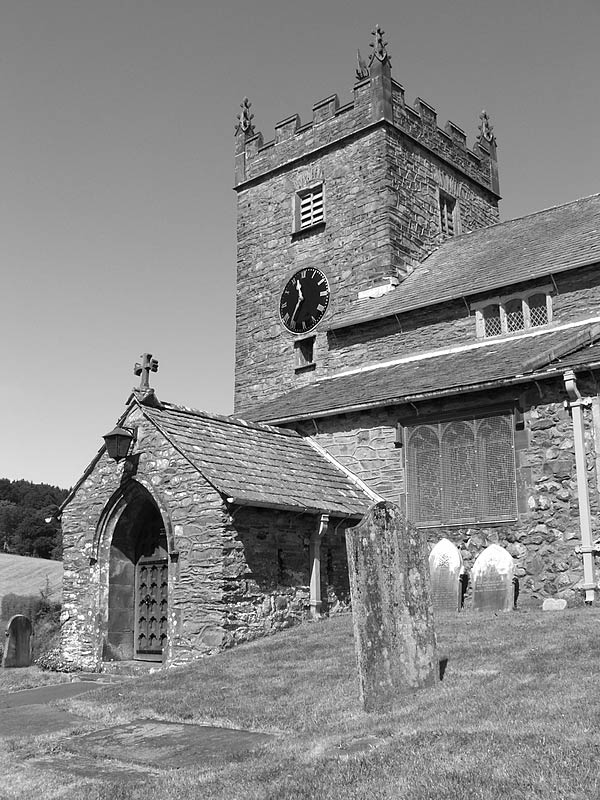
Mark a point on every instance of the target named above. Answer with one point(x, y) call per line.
point(300, 299)
point(298, 304)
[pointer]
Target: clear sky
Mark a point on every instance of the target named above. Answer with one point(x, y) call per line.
point(117, 220)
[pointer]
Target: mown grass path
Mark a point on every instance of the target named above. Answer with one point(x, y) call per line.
point(517, 716)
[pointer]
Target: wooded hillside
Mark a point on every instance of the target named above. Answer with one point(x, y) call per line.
point(24, 508)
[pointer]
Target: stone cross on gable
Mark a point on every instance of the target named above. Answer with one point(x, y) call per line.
point(144, 369)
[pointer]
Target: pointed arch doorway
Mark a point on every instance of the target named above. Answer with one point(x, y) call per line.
point(138, 581)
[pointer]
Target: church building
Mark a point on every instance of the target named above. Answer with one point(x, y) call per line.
point(394, 340)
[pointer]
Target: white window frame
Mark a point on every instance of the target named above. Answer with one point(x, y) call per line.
point(314, 190)
point(501, 301)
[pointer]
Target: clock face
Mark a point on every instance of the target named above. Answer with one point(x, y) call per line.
point(304, 300)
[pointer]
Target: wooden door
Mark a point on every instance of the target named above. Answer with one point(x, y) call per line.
point(151, 591)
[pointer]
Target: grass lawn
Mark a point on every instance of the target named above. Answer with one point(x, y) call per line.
point(517, 716)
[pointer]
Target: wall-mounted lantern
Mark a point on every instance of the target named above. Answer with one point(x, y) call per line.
point(118, 442)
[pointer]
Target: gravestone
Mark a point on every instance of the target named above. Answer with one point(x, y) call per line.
point(554, 604)
point(492, 580)
point(445, 569)
point(19, 642)
point(391, 607)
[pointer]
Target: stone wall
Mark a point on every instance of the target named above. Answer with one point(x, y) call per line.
point(267, 571)
point(544, 537)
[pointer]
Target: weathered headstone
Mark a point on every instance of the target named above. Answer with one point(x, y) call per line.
point(554, 604)
point(18, 646)
point(445, 569)
point(492, 580)
point(391, 606)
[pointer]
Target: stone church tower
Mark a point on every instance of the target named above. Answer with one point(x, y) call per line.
point(342, 208)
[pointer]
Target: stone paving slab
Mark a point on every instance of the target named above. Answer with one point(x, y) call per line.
point(36, 720)
point(45, 694)
point(165, 744)
point(84, 766)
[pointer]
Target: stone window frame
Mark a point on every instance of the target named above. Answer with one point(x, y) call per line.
point(501, 302)
point(484, 513)
point(313, 219)
point(449, 217)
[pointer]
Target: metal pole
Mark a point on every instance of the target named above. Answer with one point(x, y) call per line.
point(577, 404)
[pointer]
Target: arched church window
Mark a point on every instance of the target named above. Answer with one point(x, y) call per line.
point(461, 472)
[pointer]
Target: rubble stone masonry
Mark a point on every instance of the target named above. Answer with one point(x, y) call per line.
point(544, 537)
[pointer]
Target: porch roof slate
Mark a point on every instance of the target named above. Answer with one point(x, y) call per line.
point(550, 241)
point(260, 465)
point(473, 368)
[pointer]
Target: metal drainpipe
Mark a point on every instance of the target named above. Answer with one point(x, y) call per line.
point(577, 404)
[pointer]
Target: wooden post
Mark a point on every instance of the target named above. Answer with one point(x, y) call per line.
point(315, 566)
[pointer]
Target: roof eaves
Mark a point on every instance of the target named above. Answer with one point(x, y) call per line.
point(416, 398)
point(345, 513)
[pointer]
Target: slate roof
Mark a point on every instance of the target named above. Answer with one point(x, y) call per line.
point(489, 363)
point(260, 465)
point(550, 241)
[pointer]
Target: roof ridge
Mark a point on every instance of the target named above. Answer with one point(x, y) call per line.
point(227, 418)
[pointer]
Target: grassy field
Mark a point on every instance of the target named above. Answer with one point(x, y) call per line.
point(517, 716)
point(24, 575)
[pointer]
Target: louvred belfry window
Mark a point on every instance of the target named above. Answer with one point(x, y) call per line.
point(310, 209)
point(447, 214)
point(461, 471)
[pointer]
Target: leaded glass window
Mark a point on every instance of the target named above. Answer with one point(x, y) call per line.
point(515, 321)
point(461, 471)
point(538, 310)
point(491, 320)
point(513, 314)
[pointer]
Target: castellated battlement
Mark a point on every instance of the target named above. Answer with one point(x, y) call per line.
point(377, 100)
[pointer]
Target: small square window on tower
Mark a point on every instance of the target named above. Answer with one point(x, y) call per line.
point(309, 209)
point(304, 351)
point(448, 215)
